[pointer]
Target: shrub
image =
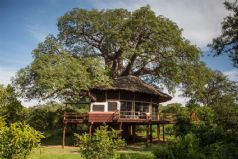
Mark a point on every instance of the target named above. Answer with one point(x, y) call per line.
point(183, 124)
point(102, 145)
point(186, 147)
point(17, 140)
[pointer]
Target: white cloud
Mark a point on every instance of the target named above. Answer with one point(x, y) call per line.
point(6, 74)
point(36, 32)
point(177, 98)
point(199, 19)
point(232, 75)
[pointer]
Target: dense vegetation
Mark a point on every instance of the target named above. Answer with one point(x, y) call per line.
point(95, 46)
point(104, 144)
point(227, 42)
point(212, 134)
point(17, 138)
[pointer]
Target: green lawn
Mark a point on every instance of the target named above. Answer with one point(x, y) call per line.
point(55, 152)
point(135, 151)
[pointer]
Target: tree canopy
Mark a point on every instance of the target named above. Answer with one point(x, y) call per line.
point(56, 73)
point(94, 46)
point(10, 107)
point(216, 87)
point(227, 42)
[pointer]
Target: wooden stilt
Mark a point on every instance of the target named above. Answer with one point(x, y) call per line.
point(147, 133)
point(120, 128)
point(163, 133)
point(133, 132)
point(90, 129)
point(151, 135)
point(63, 138)
point(158, 131)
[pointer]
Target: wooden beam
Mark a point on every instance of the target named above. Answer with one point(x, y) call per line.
point(90, 129)
point(147, 133)
point(133, 132)
point(158, 131)
point(163, 133)
point(63, 138)
point(120, 128)
point(151, 135)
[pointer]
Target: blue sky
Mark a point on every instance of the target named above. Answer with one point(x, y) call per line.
point(25, 23)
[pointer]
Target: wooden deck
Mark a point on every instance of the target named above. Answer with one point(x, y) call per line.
point(119, 118)
point(113, 117)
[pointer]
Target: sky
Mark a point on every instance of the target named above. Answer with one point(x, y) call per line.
point(25, 23)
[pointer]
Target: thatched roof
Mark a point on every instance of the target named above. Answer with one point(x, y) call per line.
point(134, 84)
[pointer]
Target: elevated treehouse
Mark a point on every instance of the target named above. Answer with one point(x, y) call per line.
point(129, 102)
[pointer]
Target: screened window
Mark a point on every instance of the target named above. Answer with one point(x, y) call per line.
point(155, 108)
point(155, 112)
point(98, 108)
point(111, 94)
point(112, 106)
point(100, 95)
point(126, 106)
point(142, 97)
point(126, 95)
point(141, 107)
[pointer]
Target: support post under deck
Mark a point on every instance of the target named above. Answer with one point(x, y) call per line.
point(163, 133)
point(90, 129)
point(133, 132)
point(151, 135)
point(158, 131)
point(63, 138)
point(147, 133)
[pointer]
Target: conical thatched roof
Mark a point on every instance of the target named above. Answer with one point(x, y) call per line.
point(134, 84)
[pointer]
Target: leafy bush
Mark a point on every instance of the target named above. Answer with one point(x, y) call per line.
point(10, 108)
point(102, 145)
point(183, 124)
point(186, 147)
point(17, 140)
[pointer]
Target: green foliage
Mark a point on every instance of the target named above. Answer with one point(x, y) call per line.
point(57, 73)
point(49, 116)
point(182, 148)
point(183, 124)
point(136, 155)
point(17, 140)
point(10, 108)
point(172, 108)
point(216, 86)
point(38, 119)
point(102, 145)
point(227, 42)
point(94, 44)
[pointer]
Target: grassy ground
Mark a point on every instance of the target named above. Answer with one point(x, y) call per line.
point(55, 152)
point(135, 151)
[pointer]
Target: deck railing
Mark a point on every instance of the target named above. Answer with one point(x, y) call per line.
point(83, 117)
point(169, 117)
point(74, 116)
point(137, 115)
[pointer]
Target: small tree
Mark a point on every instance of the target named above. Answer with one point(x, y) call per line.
point(17, 140)
point(102, 145)
point(10, 108)
point(181, 148)
point(227, 42)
